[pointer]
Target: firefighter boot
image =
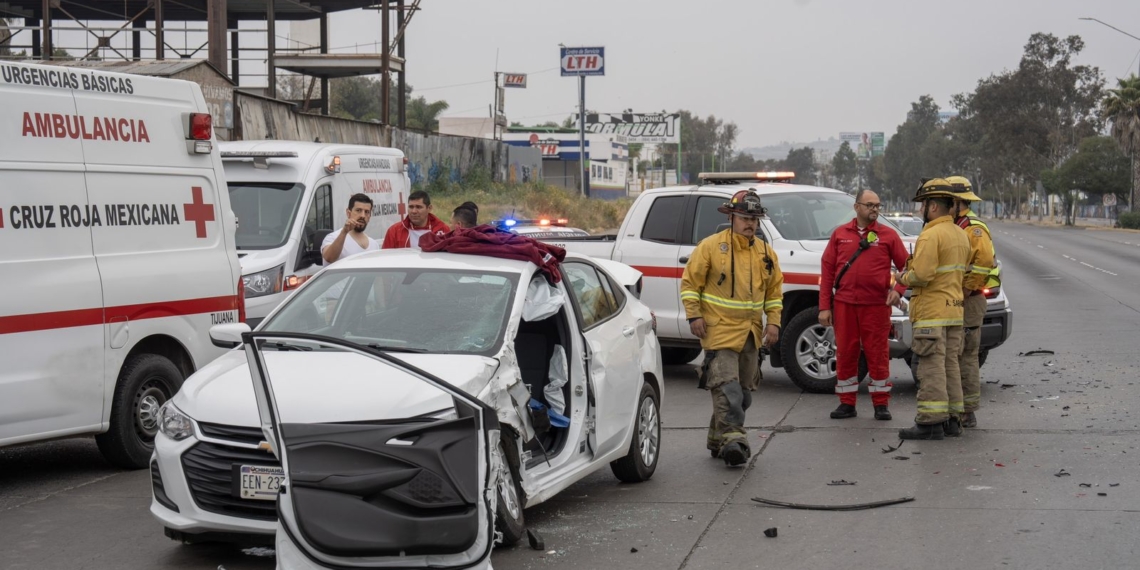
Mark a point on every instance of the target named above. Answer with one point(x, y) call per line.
point(734, 454)
point(969, 420)
point(882, 413)
point(919, 431)
point(952, 427)
point(844, 411)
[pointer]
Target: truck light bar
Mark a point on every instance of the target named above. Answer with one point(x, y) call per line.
point(731, 177)
point(260, 158)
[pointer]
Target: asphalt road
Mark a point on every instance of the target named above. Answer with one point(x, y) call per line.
point(991, 499)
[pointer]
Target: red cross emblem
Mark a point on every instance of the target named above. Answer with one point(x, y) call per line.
point(198, 212)
point(401, 207)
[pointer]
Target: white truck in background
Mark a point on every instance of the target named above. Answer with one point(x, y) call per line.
point(664, 225)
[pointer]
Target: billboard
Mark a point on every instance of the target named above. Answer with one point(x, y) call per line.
point(583, 61)
point(865, 145)
point(635, 127)
point(517, 80)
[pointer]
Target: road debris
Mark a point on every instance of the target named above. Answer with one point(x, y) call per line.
point(1084, 485)
point(1114, 484)
point(770, 532)
point(1038, 352)
point(854, 507)
point(978, 488)
point(901, 458)
point(1062, 473)
point(1008, 385)
point(536, 541)
point(842, 482)
point(889, 448)
point(633, 550)
point(1102, 494)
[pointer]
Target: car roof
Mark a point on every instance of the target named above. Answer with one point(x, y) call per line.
point(414, 258)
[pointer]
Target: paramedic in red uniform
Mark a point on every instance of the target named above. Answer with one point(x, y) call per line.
point(407, 232)
point(859, 255)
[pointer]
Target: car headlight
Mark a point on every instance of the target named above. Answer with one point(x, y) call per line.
point(264, 283)
point(173, 423)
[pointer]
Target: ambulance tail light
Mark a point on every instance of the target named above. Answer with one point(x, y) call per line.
point(241, 299)
point(404, 165)
point(199, 131)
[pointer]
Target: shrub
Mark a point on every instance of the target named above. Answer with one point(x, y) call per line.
point(1130, 220)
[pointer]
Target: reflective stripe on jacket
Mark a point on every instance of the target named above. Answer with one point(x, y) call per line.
point(935, 273)
point(732, 308)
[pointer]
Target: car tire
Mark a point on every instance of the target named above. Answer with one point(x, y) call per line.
point(982, 354)
point(640, 462)
point(510, 520)
point(674, 356)
point(145, 383)
point(798, 343)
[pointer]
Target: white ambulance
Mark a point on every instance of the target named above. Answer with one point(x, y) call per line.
point(116, 253)
point(289, 195)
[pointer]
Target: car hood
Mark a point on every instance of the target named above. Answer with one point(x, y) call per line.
point(254, 260)
point(222, 391)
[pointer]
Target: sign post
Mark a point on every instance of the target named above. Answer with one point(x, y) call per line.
point(582, 62)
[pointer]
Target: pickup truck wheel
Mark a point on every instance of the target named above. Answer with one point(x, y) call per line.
point(808, 352)
point(672, 356)
point(640, 462)
point(509, 517)
point(982, 354)
point(145, 383)
point(913, 362)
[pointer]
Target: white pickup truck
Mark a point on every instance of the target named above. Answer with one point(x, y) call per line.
point(664, 225)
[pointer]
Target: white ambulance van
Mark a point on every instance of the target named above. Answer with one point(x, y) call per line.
point(116, 253)
point(289, 195)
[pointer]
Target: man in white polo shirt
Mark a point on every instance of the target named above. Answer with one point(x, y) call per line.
point(351, 239)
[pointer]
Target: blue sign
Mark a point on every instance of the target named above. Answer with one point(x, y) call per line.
point(583, 61)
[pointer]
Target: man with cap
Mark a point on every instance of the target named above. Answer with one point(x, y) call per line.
point(936, 313)
point(732, 280)
point(981, 274)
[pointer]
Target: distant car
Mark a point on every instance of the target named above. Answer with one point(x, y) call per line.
point(909, 223)
point(542, 228)
point(371, 366)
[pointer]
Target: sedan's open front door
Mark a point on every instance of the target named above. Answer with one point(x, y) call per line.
point(392, 468)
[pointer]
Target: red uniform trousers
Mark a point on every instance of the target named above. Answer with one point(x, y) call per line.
point(866, 327)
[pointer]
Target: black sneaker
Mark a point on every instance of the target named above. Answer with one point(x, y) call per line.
point(882, 413)
point(952, 427)
point(844, 411)
point(969, 420)
point(919, 431)
point(734, 454)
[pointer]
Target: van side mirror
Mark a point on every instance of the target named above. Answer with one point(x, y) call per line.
point(228, 335)
point(308, 258)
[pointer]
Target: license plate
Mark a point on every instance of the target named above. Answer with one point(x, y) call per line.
point(260, 482)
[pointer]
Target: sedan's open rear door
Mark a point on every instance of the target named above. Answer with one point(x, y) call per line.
point(392, 469)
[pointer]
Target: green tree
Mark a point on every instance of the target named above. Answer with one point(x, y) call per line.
point(1097, 168)
point(1122, 109)
point(424, 116)
point(355, 98)
point(706, 137)
point(802, 162)
point(903, 164)
point(845, 166)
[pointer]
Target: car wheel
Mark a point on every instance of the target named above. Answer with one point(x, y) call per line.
point(982, 354)
point(913, 362)
point(145, 383)
point(809, 352)
point(645, 447)
point(673, 356)
point(509, 518)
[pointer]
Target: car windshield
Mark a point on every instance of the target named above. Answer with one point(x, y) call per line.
point(265, 212)
point(909, 226)
point(809, 215)
point(408, 310)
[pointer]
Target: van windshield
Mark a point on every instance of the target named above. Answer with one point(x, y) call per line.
point(265, 212)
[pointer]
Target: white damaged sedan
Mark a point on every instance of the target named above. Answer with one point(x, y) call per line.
point(410, 396)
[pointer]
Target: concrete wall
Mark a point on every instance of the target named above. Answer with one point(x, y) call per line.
point(430, 156)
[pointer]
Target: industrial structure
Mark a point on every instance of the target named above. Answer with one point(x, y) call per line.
point(142, 30)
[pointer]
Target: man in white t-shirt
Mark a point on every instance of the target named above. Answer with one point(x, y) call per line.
point(351, 239)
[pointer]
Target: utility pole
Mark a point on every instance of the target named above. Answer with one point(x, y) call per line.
point(582, 135)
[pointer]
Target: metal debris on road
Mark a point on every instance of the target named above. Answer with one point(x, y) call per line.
point(901, 458)
point(1037, 352)
point(1062, 473)
point(842, 482)
point(633, 550)
point(770, 532)
point(890, 448)
point(1102, 494)
point(854, 507)
point(1084, 484)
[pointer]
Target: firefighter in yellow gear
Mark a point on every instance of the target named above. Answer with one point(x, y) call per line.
point(981, 276)
point(732, 280)
point(934, 273)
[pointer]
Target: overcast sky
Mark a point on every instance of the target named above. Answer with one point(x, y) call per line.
point(783, 70)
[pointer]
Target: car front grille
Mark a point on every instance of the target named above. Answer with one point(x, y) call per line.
point(209, 469)
point(241, 434)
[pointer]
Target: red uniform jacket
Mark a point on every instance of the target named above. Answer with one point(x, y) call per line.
point(400, 235)
point(489, 241)
point(868, 280)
